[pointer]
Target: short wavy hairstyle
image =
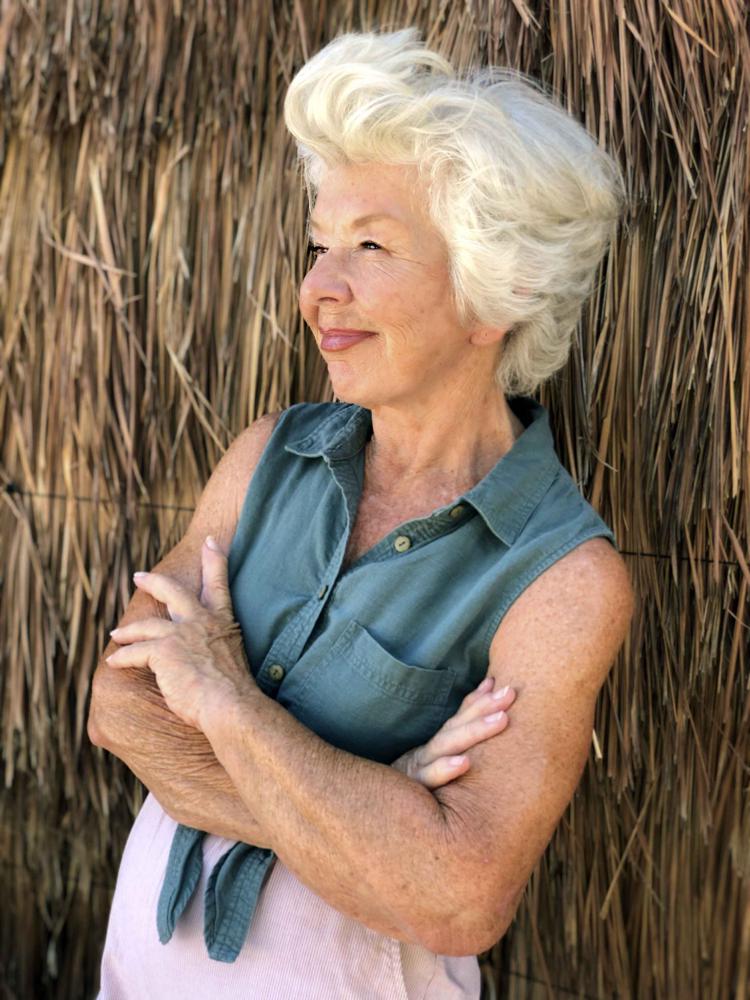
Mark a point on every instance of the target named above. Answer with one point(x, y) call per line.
point(523, 196)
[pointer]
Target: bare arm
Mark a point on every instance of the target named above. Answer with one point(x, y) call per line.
point(446, 870)
point(128, 715)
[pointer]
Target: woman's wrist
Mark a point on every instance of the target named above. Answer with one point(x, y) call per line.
point(227, 713)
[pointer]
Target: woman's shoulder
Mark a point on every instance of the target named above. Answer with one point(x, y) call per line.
point(271, 437)
point(565, 511)
point(570, 569)
point(311, 428)
point(288, 423)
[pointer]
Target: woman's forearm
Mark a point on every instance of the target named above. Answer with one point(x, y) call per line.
point(128, 717)
point(372, 843)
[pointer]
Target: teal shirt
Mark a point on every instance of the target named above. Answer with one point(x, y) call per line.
point(374, 657)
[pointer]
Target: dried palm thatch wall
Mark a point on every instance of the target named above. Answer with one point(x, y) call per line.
point(150, 244)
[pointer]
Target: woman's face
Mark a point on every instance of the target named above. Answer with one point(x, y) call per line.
point(378, 296)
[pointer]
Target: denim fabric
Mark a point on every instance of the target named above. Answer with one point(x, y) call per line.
point(374, 657)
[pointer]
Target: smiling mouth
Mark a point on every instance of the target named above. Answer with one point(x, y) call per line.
point(339, 340)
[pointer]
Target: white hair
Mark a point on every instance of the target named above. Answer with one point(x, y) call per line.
point(524, 198)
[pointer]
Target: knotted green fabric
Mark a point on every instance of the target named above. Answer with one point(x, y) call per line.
point(373, 657)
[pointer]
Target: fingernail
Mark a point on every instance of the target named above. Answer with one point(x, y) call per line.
point(495, 717)
point(501, 693)
point(486, 684)
point(139, 574)
point(455, 761)
point(114, 631)
point(212, 543)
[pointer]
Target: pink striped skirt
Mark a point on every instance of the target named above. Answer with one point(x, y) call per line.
point(298, 947)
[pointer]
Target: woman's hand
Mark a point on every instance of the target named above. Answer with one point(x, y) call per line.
point(483, 713)
point(197, 657)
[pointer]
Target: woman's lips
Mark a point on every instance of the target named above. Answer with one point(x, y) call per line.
point(339, 340)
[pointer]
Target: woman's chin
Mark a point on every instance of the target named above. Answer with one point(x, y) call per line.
point(348, 393)
point(364, 386)
point(348, 387)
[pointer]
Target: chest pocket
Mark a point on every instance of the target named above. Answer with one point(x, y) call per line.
point(363, 700)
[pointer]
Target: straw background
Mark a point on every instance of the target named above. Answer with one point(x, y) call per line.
point(151, 240)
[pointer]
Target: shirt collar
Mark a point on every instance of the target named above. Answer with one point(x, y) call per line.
point(508, 494)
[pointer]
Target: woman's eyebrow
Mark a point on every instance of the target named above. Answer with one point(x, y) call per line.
point(363, 220)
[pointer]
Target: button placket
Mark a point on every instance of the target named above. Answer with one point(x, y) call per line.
point(289, 646)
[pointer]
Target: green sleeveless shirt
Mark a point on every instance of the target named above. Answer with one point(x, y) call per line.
point(376, 656)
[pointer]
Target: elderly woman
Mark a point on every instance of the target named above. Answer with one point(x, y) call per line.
point(401, 564)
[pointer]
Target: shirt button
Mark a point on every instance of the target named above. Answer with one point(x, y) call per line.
point(323, 591)
point(276, 672)
point(457, 511)
point(402, 543)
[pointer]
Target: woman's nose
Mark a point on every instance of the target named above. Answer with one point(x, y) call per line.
point(326, 281)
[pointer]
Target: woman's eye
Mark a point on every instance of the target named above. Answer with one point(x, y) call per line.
point(316, 249)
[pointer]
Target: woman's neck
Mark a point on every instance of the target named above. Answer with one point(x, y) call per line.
point(450, 446)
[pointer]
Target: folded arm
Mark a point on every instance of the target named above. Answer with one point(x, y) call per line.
point(446, 869)
point(128, 715)
point(130, 718)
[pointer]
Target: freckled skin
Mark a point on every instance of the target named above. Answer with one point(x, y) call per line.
point(400, 289)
